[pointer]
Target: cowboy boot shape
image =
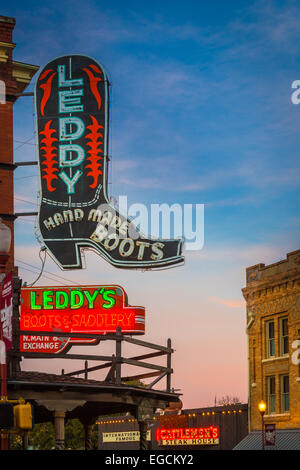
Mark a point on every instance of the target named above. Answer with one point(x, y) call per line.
point(72, 130)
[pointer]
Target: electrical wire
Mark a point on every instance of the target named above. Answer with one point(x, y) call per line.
point(23, 177)
point(42, 268)
point(24, 200)
point(25, 219)
point(34, 272)
point(48, 272)
point(24, 143)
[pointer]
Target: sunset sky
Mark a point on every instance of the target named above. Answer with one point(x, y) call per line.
point(201, 114)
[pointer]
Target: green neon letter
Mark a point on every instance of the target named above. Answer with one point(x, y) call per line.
point(65, 300)
point(47, 297)
point(109, 299)
point(74, 294)
point(33, 301)
point(90, 298)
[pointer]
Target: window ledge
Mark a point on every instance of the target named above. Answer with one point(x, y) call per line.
point(278, 358)
point(278, 415)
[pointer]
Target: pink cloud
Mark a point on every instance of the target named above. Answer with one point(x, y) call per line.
point(229, 302)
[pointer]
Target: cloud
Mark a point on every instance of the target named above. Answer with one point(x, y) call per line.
point(241, 254)
point(229, 303)
point(267, 22)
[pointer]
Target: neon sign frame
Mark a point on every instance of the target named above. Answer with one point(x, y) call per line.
point(84, 309)
point(72, 129)
point(206, 435)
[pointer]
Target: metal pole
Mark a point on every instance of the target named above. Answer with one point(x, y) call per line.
point(25, 441)
point(4, 437)
point(118, 355)
point(169, 366)
point(14, 359)
point(262, 432)
point(3, 367)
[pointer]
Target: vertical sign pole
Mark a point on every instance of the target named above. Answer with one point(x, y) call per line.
point(15, 357)
point(3, 367)
point(169, 366)
point(118, 355)
point(4, 438)
point(262, 433)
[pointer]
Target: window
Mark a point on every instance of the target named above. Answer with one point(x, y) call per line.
point(284, 336)
point(285, 393)
point(271, 396)
point(270, 336)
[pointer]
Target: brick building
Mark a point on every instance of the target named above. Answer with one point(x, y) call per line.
point(15, 77)
point(272, 294)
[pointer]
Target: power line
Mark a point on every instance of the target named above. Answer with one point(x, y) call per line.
point(24, 200)
point(25, 219)
point(42, 269)
point(23, 177)
point(34, 272)
point(52, 274)
point(24, 143)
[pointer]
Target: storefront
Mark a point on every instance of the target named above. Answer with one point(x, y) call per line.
point(214, 428)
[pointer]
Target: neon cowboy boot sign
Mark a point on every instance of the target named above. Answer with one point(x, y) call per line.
point(72, 129)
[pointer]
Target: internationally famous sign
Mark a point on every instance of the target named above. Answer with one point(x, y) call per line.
point(72, 128)
point(85, 309)
point(125, 436)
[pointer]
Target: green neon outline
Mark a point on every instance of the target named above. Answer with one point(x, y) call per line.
point(91, 298)
point(112, 302)
point(66, 299)
point(46, 299)
point(73, 304)
point(33, 304)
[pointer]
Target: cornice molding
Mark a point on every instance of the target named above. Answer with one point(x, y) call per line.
point(5, 50)
point(279, 284)
point(23, 73)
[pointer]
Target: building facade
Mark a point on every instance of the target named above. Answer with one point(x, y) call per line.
point(14, 79)
point(272, 294)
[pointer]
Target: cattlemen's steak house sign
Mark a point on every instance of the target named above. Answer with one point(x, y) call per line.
point(72, 128)
point(188, 436)
point(85, 309)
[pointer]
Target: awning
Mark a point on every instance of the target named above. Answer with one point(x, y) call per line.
point(285, 439)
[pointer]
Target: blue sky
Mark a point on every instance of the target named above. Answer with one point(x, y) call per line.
point(201, 114)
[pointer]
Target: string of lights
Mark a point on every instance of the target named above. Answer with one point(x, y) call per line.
point(189, 415)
